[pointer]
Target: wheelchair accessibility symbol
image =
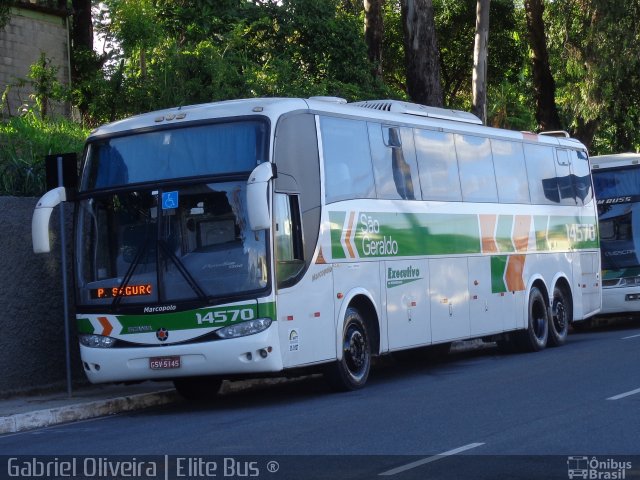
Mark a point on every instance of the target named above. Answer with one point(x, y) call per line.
point(169, 200)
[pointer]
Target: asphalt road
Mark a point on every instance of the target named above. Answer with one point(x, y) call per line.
point(476, 414)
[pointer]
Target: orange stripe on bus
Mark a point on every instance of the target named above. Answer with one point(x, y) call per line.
point(107, 327)
point(347, 236)
point(487, 233)
point(513, 272)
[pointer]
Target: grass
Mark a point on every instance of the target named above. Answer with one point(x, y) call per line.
point(24, 142)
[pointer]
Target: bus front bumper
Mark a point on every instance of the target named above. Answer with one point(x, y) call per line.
point(620, 300)
point(257, 353)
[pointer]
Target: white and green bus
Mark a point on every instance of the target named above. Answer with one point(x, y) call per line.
point(616, 180)
point(272, 236)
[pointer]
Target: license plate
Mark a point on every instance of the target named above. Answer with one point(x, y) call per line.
point(161, 363)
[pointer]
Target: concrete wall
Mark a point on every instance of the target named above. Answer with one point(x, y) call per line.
point(32, 339)
point(30, 31)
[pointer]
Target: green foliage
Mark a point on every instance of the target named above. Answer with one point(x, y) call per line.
point(594, 48)
point(45, 84)
point(5, 13)
point(182, 52)
point(455, 24)
point(24, 142)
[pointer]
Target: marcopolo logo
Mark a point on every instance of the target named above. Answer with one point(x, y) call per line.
point(402, 276)
point(597, 469)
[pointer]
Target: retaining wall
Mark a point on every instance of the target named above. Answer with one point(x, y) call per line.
point(32, 338)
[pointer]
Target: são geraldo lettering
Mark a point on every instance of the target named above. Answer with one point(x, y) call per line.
point(385, 246)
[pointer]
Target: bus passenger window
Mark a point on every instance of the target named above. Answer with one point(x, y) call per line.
point(541, 171)
point(394, 164)
point(511, 173)
point(437, 165)
point(345, 142)
point(477, 175)
point(581, 176)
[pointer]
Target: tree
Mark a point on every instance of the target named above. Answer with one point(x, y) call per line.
point(544, 86)
point(374, 34)
point(593, 46)
point(422, 57)
point(479, 77)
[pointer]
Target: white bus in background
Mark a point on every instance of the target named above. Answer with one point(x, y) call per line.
point(616, 181)
point(266, 236)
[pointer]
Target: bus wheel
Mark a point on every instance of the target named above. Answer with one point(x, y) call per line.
point(534, 338)
point(198, 389)
point(352, 371)
point(561, 316)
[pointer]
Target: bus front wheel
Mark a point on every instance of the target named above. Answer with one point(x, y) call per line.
point(351, 372)
point(534, 338)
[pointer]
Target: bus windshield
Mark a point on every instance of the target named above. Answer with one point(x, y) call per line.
point(190, 243)
point(618, 194)
point(167, 154)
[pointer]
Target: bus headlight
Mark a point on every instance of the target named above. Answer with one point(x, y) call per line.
point(250, 327)
point(96, 341)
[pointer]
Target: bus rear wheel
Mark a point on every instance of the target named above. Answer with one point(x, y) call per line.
point(534, 338)
point(351, 372)
point(561, 316)
point(198, 389)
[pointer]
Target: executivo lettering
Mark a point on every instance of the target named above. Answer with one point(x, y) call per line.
point(402, 276)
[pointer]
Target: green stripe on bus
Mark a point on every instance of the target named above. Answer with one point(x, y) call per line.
point(84, 326)
point(214, 317)
point(498, 267)
point(336, 220)
point(383, 234)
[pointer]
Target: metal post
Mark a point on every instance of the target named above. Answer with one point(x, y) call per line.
point(63, 247)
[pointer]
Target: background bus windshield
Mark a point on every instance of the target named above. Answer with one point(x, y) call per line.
point(618, 194)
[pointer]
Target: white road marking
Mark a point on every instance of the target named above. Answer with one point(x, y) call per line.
point(626, 394)
point(632, 336)
point(424, 461)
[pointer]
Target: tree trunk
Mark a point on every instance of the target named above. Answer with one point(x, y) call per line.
point(374, 34)
point(585, 131)
point(422, 57)
point(81, 33)
point(83, 64)
point(479, 77)
point(544, 87)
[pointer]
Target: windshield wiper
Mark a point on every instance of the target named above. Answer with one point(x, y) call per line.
point(142, 250)
point(183, 270)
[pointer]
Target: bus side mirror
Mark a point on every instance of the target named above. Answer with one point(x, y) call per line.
point(257, 196)
point(41, 216)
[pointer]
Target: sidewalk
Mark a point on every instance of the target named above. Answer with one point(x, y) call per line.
point(18, 414)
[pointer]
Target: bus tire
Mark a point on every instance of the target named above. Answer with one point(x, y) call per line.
point(351, 372)
point(198, 389)
point(534, 338)
point(561, 316)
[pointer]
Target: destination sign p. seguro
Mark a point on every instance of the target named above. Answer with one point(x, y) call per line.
point(128, 291)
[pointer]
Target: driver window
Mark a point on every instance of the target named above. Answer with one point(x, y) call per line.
point(288, 239)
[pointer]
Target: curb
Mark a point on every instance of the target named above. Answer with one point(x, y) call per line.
point(82, 411)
